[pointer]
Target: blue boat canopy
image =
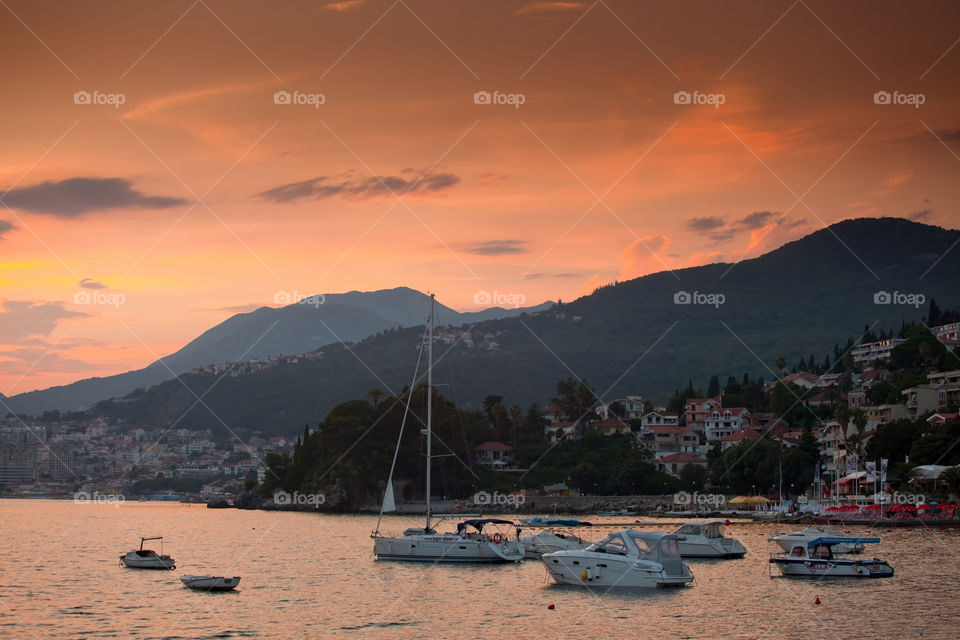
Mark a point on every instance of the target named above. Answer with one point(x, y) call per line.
point(831, 540)
point(479, 524)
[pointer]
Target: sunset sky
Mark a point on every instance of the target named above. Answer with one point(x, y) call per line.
point(183, 193)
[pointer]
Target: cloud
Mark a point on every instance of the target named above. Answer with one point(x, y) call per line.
point(5, 226)
point(565, 275)
point(498, 247)
point(87, 283)
point(343, 5)
point(592, 284)
point(949, 135)
point(643, 256)
point(898, 179)
point(920, 215)
point(20, 319)
point(319, 188)
point(27, 361)
point(548, 5)
point(73, 197)
point(756, 220)
point(707, 223)
point(236, 308)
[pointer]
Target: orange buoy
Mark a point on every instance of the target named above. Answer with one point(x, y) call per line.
point(817, 600)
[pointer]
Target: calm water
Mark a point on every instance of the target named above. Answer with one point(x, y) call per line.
point(313, 576)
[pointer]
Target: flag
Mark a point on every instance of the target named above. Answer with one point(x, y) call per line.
point(851, 463)
point(883, 469)
point(871, 466)
point(816, 474)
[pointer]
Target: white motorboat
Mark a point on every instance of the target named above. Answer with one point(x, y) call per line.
point(787, 541)
point(210, 583)
point(704, 539)
point(626, 558)
point(147, 558)
point(470, 543)
point(818, 558)
point(550, 540)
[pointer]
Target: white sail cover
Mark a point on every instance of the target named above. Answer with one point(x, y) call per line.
point(388, 503)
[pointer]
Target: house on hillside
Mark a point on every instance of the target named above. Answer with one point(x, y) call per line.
point(943, 418)
point(674, 464)
point(948, 387)
point(921, 399)
point(872, 351)
point(492, 455)
point(802, 379)
point(632, 407)
point(659, 419)
point(612, 426)
point(723, 422)
point(737, 437)
point(697, 409)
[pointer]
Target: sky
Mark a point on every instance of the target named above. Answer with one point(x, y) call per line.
point(167, 165)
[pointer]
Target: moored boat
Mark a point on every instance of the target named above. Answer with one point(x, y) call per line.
point(786, 541)
point(210, 583)
point(818, 558)
point(147, 558)
point(704, 539)
point(626, 558)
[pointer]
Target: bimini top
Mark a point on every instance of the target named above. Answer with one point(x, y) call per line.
point(555, 522)
point(479, 524)
point(835, 540)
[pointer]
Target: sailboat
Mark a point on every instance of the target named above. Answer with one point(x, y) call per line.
point(471, 542)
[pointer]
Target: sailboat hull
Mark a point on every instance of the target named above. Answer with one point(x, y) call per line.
point(446, 548)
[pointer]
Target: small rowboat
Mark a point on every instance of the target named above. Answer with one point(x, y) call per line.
point(210, 583)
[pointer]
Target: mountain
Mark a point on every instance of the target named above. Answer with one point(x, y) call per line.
point(296, 328)
point(632, 337)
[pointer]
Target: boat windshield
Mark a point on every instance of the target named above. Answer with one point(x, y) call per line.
point(612, 544)
point(689, 530)
point(668, 547)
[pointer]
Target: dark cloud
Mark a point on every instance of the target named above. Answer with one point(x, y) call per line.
point(756, 220)
point(722, 236)
point(498, 247)
point(323, 187)
point(921, 215)
point(949, 135)
point(5, 227)
point(20, 319)
point(708, 223)
point(74, 197)
point(87, 283)
point(795, 223)
point(537, 276)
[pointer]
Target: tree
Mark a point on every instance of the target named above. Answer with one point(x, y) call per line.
point(781, 399)
point(489, 403)
point(842, 415)
point(375, 395)
point(781, 365)
point(516, 418)
point(713, 389)
point(933, 315)
point(575, 399)
point(859, 419)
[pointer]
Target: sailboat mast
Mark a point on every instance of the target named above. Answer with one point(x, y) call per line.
point(429, 403)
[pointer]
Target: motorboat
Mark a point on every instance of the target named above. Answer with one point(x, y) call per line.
point(787, 541)
point(470, 543)
point(550, 540)
point(818, 557)
point(210, 583)
point(705, 539)
point(147, 558)
point(626, 558)
point(553, 522)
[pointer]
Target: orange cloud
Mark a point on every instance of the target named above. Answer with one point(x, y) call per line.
point(644, 256)
point(534, 7)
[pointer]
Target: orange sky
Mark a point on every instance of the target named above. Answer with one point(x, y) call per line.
point(200, 196)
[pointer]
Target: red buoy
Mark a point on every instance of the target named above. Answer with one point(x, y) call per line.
point(817, 600)
point(550, 606)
